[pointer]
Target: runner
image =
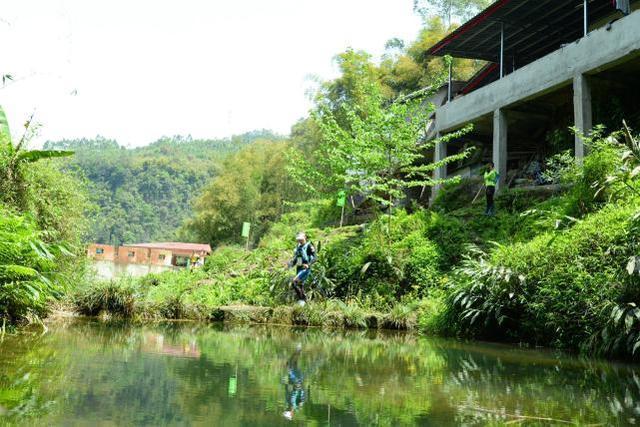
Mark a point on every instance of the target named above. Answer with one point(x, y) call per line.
point(304, 256)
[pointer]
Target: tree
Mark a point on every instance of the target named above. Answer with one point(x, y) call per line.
point(447, 9)
point(146, 193)
point(378, 154)
point(251, 186)
point(14, 161)
point(403, 71)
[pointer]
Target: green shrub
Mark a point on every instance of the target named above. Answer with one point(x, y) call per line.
point(457, 195)
point(450, 235)
point(422, 262)
point(553, 290)
point(29, 276)
point(431, 315)
point(116, 297)
point(603, 160)
point(401, 316)
point(224, 258)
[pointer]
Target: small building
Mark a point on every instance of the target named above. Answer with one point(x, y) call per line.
point(99, 252)
point(161, 254)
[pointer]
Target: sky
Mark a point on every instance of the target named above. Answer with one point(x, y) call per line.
point(136, 70)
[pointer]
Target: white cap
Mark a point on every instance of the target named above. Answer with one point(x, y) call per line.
point(301, 236)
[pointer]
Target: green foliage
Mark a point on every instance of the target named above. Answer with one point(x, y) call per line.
point(552, 290)
point(625, 177)
point(31, 186)
point(463, 9)
point(145, 194)
point(382, 264)
point(456, 195)
point(604, 159)
point(41, 226)
point(250, 187)
point(371, 148)
point(115, 297)
point(401, 316)
point(29, 276)
point(405, 70)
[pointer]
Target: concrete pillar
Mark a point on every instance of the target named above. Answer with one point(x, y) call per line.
point(582, 112)
point(500, 130)
point(439, 153)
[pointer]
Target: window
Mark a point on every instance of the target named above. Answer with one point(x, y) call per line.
point(131, 254)
point(161, 257)
point(182, 261)
point(99, 251)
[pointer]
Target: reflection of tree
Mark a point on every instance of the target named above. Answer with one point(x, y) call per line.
point(95, 373)
point(21, 362)
point(512, 387)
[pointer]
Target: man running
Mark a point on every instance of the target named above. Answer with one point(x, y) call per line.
point(304, 256)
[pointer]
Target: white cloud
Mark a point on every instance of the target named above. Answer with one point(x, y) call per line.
point(135, 70)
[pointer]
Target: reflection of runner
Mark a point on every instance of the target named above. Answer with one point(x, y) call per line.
point(293, 386)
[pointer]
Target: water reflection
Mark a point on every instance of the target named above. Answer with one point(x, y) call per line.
point(87, 373)
point(294, 393)
point(154, 342)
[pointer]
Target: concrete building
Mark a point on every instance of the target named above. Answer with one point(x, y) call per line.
point(549, 64)
point(164, 253)
point(159, 254)
point(101, 252)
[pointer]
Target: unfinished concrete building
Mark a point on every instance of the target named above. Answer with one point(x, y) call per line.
point(550, 65)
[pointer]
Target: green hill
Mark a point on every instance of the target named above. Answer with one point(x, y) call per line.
point(145, 193)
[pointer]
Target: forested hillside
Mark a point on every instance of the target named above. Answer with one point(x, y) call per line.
point(145, 194)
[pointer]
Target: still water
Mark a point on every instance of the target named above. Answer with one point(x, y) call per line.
point(88, 373)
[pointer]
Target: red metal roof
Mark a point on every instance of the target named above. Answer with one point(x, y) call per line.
point(173, 246)
point(532, 29)
point(474, 22)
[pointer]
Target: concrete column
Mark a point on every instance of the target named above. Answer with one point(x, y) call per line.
point(582, 112)
point(439, 153)
point(500, 130)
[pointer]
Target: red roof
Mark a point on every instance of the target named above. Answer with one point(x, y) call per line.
point(174, 246)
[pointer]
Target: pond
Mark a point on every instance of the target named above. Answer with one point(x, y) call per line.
point(91, 373)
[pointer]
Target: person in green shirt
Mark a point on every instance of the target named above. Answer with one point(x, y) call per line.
point(491, 177)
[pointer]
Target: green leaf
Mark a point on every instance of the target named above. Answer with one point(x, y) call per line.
point(632, 265)
point(628, 323)
point(35, 155)
point(617, 315)
point(4, 126)
point(17, 271)
point(365, 268)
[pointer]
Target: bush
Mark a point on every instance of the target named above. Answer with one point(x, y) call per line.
point(457, 195)
point(116, 297)
point(29, 276)
point(604, 158)
point(555, 289)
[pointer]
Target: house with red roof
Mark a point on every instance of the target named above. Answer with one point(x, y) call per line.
point(160, 253)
